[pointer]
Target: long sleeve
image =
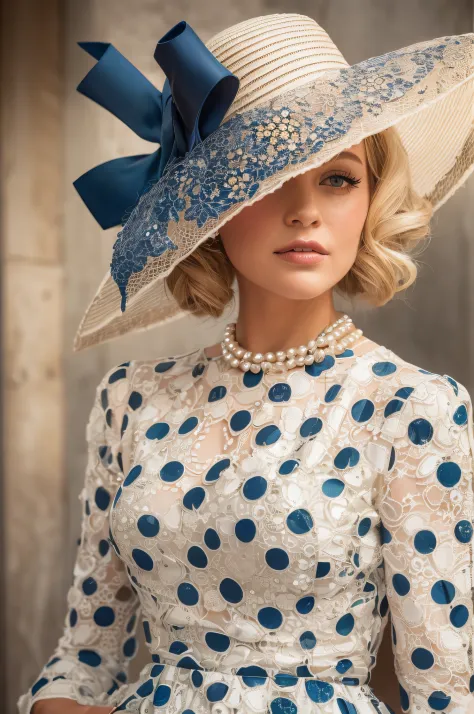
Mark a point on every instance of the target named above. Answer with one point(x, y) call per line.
point(426, 509)
point(92, 656)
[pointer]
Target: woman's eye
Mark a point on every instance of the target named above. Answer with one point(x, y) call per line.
point(346, 182)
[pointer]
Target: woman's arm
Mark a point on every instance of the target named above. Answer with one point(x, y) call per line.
point(92, 657)
point(426, 508)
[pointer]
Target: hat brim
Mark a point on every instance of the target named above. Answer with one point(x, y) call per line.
point(426, 90)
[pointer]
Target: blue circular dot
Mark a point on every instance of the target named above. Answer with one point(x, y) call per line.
point(187, 594)
point(383, 369)
point(463, 531)
point(448, 474)
point(142, 559)
point(135, 400)
point(188, 425)
point(401, 584)
point(420, 431)
point(310, 427)
point(322, 569)
point(459, 615)
point(347, 457)
point(38, 685)
point(102, 498)
point(333, 487)
point(162, 695)
point(73, 617)
point(193, 498)
point(364, 527)
point(254, 487)
point(422, 658)
point(158, 430)
point(130, 647)
point(267, 435)
point(245, 530)
point(425, 542)
point(299, 521)
point(345, 624)
point(164, 366)
point(270, 618)
point(307, 640)
point(240, 420)
point(231, 590)
point(362, 410)
point(146, 688)
point(172, 471)
point(438, 700)
point(332, 393)
point(148, 526)
point(443, 592)
point(346, 707)
point(212, 539)
point(317, 368)
point(216, 470)
point(393, 406)
point(197, 557)
point(251, 379)
point(104, 616)
point(305, 604)
point(287, 467)
point(133, 474)
point(460, 415)
point(103, 547)
point(283, 705)
point(319, 691)
point(279, 392)
point(216, 691)
point(217, 393)
point(217, 641)
point(277, 559)
point(89, 586)
point(93, 659)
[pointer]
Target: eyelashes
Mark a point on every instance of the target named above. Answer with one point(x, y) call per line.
point(351, 180)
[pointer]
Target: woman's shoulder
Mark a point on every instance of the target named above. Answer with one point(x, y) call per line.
point(135, 380)
point(398, 372)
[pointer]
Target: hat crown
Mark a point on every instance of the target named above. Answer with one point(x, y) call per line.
point(272, 54)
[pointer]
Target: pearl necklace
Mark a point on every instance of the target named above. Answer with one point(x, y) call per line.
point(332, 340)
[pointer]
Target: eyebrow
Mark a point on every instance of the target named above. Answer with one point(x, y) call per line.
point(347, 155)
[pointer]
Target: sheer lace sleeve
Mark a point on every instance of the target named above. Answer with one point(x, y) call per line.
point(426, 508)
point(92, 656)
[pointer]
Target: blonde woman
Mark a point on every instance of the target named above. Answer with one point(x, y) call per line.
point(261, 504)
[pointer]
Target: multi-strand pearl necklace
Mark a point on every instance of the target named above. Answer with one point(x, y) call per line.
point(332, 340)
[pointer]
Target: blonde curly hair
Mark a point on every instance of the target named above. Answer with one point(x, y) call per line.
point(397, 220)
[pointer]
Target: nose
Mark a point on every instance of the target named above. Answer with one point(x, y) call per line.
point(301, 203)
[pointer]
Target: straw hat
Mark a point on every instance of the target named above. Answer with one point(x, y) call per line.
point(260, 103)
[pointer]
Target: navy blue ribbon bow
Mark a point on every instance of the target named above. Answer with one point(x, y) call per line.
point(196, 95)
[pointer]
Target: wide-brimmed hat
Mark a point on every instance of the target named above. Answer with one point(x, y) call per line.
point(261, 102)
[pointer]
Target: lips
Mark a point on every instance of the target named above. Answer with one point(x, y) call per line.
point(303, 246)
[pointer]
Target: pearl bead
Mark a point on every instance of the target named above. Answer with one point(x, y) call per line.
point(332, 340)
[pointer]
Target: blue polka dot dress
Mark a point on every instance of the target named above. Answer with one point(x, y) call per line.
point(261, 528)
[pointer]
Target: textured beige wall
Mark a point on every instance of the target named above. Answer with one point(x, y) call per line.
point(56, 256)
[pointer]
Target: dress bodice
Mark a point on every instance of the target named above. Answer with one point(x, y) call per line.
point(262, 526)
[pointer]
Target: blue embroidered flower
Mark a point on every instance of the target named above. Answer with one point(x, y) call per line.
point(235, 161)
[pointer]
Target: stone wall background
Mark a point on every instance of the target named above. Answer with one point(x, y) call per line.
point(54, 256)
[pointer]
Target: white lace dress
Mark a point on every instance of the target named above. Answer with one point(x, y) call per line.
point(261, 527)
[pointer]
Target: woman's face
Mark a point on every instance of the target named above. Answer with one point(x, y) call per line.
point(323, 204)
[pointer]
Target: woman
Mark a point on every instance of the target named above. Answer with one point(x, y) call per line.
point(263, 507)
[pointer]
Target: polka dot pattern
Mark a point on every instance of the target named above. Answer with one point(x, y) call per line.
point(255, 510)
